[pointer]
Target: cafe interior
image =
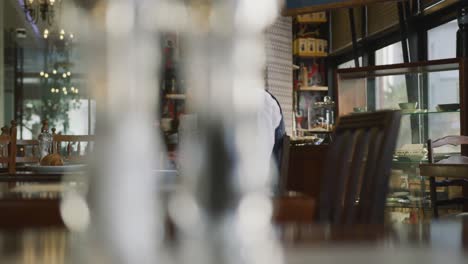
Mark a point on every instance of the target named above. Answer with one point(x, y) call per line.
point(233, 131)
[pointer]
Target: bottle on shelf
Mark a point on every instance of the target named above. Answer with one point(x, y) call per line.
point(314, 76)
point(304, 76)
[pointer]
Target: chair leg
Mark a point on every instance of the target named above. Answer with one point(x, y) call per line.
point(434, 197)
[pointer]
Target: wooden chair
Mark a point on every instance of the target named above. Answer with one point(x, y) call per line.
point(431, 145)
point(358, 166)
point(24, 151)
point(8, 147)
point(73, 150)
point(356, 174)
point(27, 150)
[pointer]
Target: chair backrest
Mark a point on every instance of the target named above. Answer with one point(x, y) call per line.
point(448, 140)
point(27, 151)
point(8, 147)
point(74, 149)
point(358, 167)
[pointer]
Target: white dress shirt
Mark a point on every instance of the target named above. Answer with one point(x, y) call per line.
point(269, 119)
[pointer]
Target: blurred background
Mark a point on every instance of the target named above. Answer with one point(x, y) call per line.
point(233, 131)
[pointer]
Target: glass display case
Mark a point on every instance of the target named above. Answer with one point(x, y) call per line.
point(431, 99)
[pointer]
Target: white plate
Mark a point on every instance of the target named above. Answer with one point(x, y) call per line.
point(57, 169)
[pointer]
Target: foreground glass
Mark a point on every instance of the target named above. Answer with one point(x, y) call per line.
point(225, 181)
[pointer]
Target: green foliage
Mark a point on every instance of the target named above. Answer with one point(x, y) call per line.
point(394, 94)
point(54, 108)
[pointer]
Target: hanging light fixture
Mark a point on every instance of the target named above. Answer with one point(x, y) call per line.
point(40, 9)
point(58, 66)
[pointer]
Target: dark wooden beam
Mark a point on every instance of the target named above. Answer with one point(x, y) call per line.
point(403, 31)
point(334, 4)
point(352, 24)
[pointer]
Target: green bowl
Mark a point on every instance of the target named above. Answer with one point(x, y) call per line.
point(408, 106)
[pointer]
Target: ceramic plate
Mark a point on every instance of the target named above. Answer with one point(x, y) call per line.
point(57, 169)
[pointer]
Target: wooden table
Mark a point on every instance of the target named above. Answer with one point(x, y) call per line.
point(444, 170)
point(51, 242)
point(29, 176)
point(437, 242)
point(42, 238)
point(447, 170)
point(29, 199)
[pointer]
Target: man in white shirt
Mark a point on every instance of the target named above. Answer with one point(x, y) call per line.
point(272, 130)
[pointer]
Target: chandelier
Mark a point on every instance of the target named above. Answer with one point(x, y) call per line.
point(43, 9)
point(57, 69)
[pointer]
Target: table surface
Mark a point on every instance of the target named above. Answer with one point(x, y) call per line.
point(444, 170)
point(437, 242)
point(451, 167)
point(45, 239)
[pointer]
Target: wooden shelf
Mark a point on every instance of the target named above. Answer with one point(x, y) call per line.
point(315, 22)
point(314, 89)
point(176, 96)
point(315, 131)
point(312, 55)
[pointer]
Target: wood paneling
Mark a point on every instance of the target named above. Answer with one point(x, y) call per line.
point(341, 30)
point(382, 16)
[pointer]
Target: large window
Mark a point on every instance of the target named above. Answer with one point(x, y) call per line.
point(350, 64)
point(443, 87)
point(441, 41)
point(392, 90)
point(61, 96)
point(391, 54)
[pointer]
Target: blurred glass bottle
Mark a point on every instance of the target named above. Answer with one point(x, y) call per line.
point(45, 140)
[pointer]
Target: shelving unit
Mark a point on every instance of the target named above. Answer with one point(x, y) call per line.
point(172, 95)
point(429, 113)
point(311, 35)
point(316, 131)
point(312, 55)
point(314, 89)
point(312, 18)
